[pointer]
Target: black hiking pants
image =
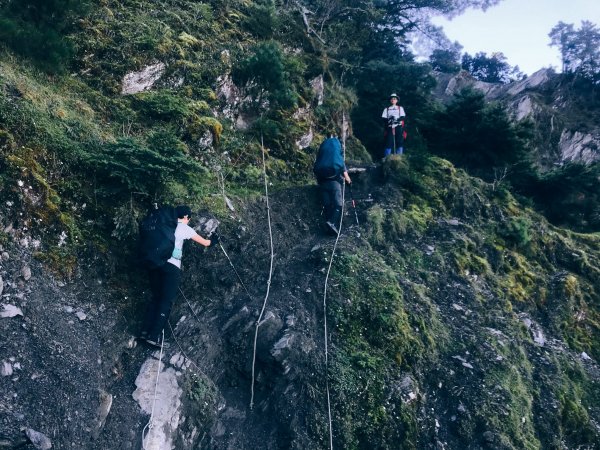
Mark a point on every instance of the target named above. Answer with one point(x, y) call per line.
point(164, 283)
point(331, 195)
point(394, 140)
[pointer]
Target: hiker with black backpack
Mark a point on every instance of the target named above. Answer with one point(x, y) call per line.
point(330, 171)
point(393, 120)
point(162, 235)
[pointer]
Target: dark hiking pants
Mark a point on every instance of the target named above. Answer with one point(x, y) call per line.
point(394, 142)
point(164, 283)
point(331, 195)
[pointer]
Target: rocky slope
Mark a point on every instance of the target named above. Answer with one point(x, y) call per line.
point(457, 319)
point(555, 104)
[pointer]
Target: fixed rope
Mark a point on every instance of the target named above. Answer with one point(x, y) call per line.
point(235, 270)
point(258, 321)
point(325, 291)
point(182, 351)
point(190, 306)
point(150, 423)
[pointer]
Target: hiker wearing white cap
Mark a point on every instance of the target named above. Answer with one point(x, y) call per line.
point(393, 118)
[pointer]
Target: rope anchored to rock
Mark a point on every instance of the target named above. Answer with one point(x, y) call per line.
point(150, 423)
point(325, 292)
point(258, 321)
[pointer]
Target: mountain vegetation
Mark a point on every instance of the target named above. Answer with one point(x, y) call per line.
point(463, 306)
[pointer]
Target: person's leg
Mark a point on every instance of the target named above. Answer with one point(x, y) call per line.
point(399, 143)
point(389, 143)
point(326, 199)
point(337, 203)
point(169, 289)
point(155, 277)
point(329, 201)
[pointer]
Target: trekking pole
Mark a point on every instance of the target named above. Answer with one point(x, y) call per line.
point(234, 269)
point(394, 139)
point(353, 205)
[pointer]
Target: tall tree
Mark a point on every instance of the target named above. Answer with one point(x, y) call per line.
point(446, 60)
point(492, 69)
point(579, 49)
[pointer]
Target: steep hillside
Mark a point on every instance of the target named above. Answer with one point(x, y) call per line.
point(457, 319)
point(457, 316)
point(564, 112)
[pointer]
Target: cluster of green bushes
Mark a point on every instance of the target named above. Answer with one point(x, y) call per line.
point(37, 29)
point(481, 138)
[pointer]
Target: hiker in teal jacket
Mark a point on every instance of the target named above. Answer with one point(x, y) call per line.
point(330, 171)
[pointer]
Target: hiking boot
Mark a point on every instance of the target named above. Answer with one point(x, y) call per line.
point(332, 229)
point(156, 343)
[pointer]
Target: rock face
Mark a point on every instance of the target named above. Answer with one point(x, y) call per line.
point(541, 98)
point(577, 146)
point(447, 333)
point(159, 398)
point(142, 80)
point(535, 80)
point(318, 86)
point(305, 140)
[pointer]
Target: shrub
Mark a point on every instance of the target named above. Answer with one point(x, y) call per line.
point(517, 231)
point(261, 19)
point(37, 29)
point(265, 75)
point(479, 137)
point(162, 105)
point(129, 165)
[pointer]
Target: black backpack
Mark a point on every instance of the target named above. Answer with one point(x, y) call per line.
point(157, 236)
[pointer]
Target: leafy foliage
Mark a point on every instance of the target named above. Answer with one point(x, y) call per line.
point(37, 29)
point(261, 19)
point(477, 136)
point(492, 69)
point(266, 72)
point(129, 165)
point(569, 196)
point(446, 61)
point(579, 49)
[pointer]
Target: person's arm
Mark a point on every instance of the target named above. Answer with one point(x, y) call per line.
point(347, 177)
point(385, 118)
point(200, 240)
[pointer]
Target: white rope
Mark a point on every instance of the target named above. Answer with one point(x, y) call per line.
point(258, 321)
point(150, 423)
point(325, 290)
point(187, 357)
point(190, 306)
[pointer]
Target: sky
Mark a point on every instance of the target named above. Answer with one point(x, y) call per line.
point(519, 29)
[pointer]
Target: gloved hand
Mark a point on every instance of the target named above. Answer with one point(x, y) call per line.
point(214, 239)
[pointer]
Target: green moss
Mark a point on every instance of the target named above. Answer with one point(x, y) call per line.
point(576, 395)
point(375, 220)
point(502, 404)
point(203, 396)
point(62, 261)
point(419, 217)
point(521, 283)
point(197, 126)
point(378, 335)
